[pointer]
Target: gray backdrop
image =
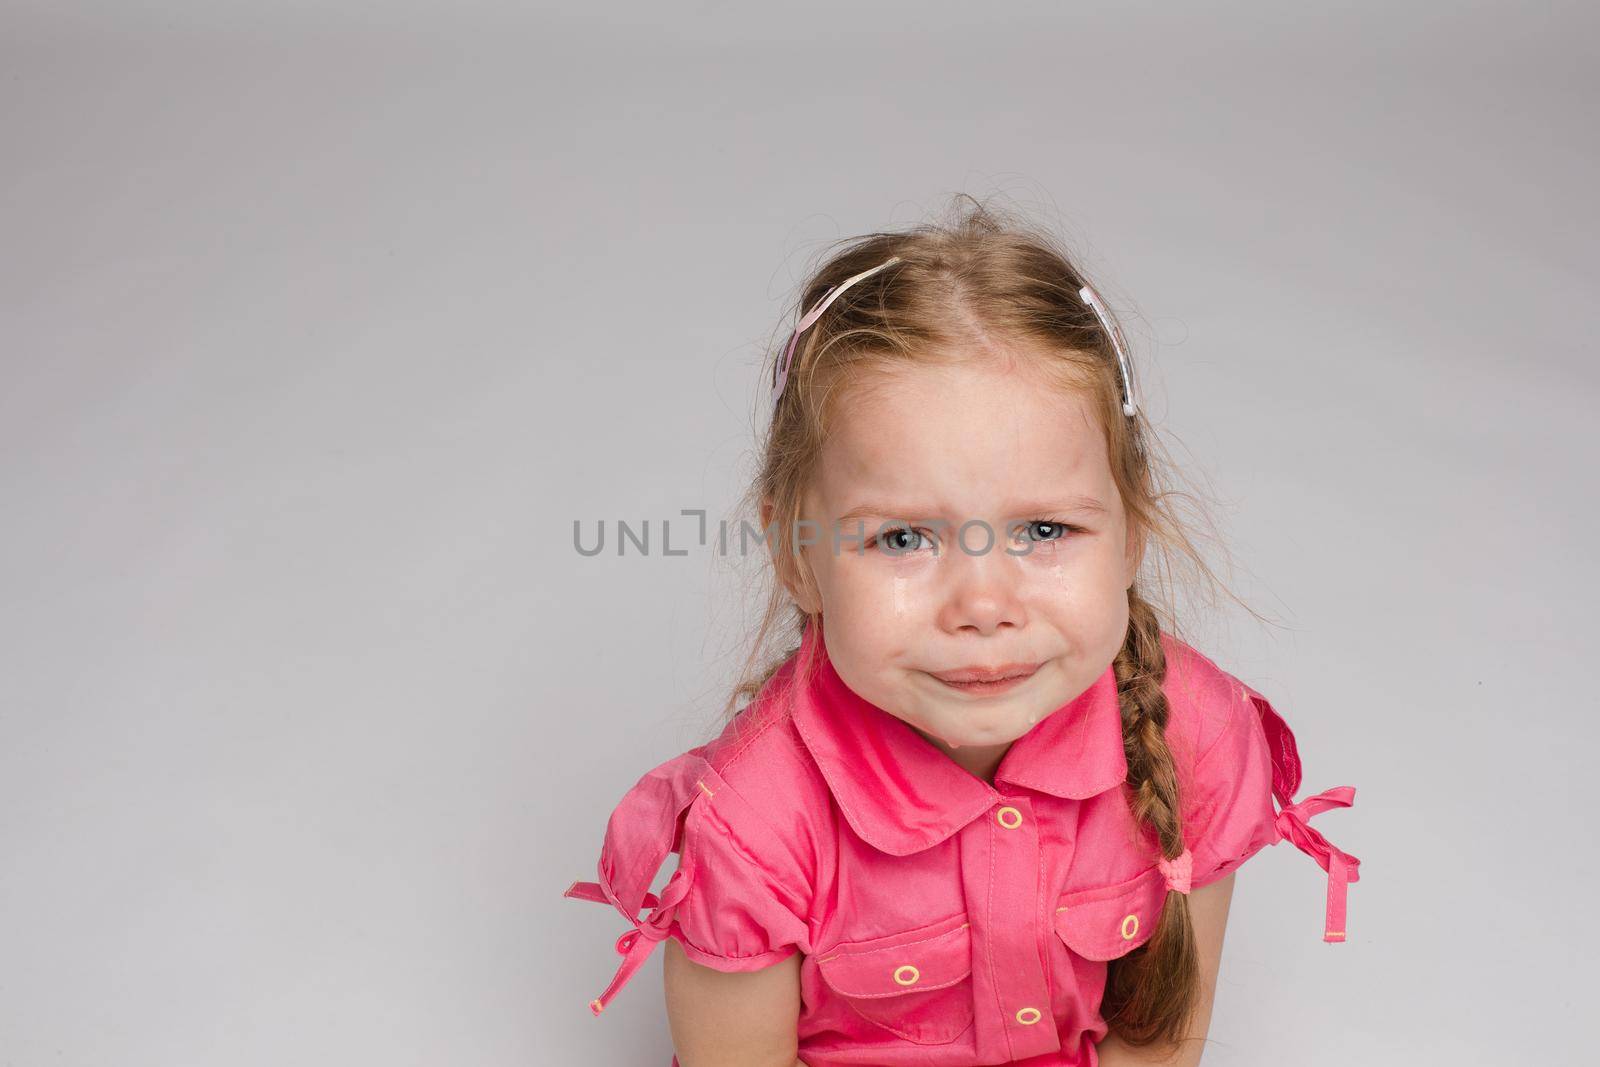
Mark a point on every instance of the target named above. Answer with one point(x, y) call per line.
point(323, 322)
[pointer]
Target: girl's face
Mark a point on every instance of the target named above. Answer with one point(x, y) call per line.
point(1039, 577)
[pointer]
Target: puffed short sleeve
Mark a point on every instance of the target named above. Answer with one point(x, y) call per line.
point(1232, 817)
point(738, 899)
point(744, 909)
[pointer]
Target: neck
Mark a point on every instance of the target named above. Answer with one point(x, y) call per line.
point(981, 761)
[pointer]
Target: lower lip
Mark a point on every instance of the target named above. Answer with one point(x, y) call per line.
point(986, 688)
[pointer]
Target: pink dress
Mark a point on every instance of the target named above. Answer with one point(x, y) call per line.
point(943, 920)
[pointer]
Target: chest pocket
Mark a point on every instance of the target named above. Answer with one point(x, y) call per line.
point(1105, 922)
point(916, 984)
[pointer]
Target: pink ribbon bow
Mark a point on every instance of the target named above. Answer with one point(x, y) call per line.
point(636, 945)
point(1342, 867)
point(1178, 871)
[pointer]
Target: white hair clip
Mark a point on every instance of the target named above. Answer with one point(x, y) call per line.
point(1087, 294)
point(1124, 364)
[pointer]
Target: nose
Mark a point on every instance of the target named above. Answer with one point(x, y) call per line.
point(983, 591)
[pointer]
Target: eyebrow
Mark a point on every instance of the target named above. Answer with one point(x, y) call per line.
point(1074, 503)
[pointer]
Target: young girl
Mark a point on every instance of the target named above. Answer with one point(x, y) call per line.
point(988, 810)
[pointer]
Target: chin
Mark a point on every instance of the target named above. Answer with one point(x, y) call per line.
point(1013, 727)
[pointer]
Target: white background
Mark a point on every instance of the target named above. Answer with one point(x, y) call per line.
point(322, 323)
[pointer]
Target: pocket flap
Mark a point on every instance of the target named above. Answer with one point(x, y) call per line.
point(1104, 922)
point(929, 957)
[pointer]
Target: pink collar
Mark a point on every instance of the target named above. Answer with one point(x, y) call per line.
point(901, 794)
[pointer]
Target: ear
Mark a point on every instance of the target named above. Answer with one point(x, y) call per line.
point(804, 591)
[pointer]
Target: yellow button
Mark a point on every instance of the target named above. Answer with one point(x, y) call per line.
point(1009, 817)
point(906, 975)
point(1029, 1016)
point(1130, 927)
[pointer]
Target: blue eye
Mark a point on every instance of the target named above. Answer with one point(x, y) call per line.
point(898, 540)
point(1051, 530)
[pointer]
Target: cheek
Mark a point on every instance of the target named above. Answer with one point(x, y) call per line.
point(862, 604)
point(1083, 590)
point(1080, 572)
point(881, 589)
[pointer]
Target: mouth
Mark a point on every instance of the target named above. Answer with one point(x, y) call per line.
point(983, 681)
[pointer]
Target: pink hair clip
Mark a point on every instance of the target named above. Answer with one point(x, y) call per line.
point(811, 317)
point(1124, 365)
point(1178, 871)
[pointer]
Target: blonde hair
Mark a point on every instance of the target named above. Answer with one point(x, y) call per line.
point(990, 279)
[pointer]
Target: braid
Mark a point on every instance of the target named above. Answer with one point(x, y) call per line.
point(1152, 992)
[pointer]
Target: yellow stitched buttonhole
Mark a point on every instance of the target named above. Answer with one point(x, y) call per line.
point(1127, 931)
point(910, 972)
point(1009, 817)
